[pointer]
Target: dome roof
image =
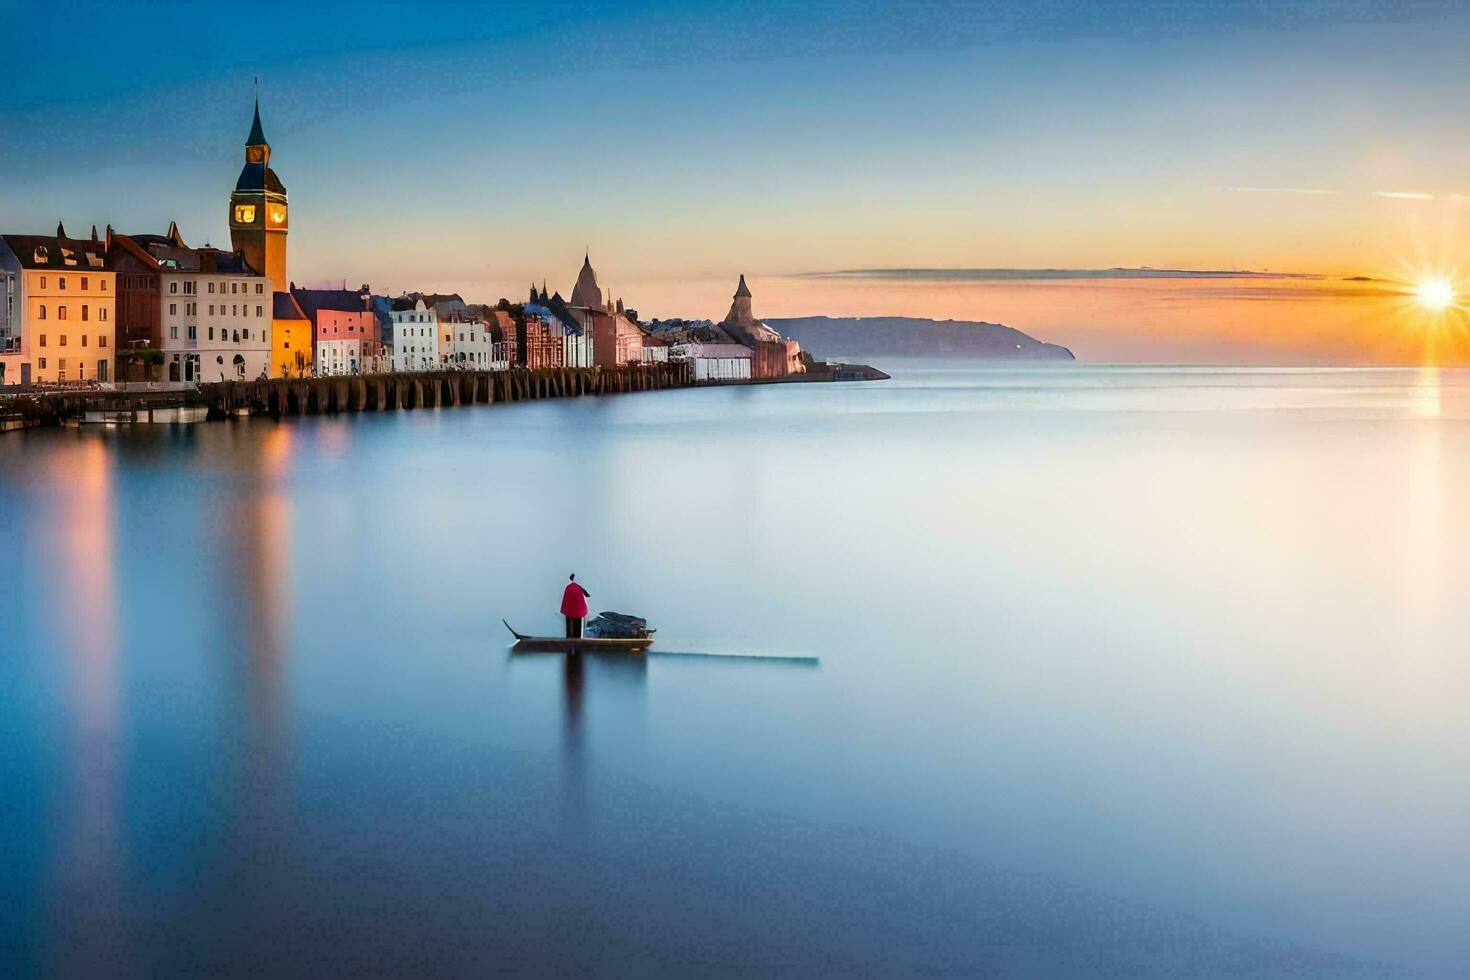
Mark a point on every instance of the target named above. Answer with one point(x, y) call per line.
point(259, 177)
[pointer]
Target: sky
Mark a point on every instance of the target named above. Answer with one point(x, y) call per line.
point(479, 147)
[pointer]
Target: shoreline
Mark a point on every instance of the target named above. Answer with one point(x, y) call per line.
point(286, 397)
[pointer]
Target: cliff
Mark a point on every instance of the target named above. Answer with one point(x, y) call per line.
point(910, 336)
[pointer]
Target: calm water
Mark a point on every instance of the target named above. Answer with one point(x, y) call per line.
point(1156, 671)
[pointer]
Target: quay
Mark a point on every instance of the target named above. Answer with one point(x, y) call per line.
point(285, 397)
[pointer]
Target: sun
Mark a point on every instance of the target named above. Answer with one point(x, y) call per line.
point(1435, 294)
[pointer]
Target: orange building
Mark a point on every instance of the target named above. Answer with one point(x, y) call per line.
point(62, 299)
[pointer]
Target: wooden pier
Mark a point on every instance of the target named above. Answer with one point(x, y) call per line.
point(284, 397)
point(432, 389)
point(312, 396)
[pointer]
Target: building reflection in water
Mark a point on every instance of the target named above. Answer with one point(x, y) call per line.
point(255, 517)
point(89, 857)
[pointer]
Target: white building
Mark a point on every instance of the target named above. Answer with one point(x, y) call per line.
point(466, 343)
point(415, 336)
point(715, 362)
point(576, 346)
point(216, 325)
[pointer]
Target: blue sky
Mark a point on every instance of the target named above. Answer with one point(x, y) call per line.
point(450, 143)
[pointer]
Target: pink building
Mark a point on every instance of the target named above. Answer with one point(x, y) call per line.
point(346, 337)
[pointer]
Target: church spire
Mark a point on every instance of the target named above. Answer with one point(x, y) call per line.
point(743, 290)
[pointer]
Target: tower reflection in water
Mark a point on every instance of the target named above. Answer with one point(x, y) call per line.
point(259, 518)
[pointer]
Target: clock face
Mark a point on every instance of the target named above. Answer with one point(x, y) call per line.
point(278, 214)
point(244, 214)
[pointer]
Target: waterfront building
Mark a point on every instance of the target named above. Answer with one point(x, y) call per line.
point(291, 346)
point(655, 350)
point(503, 338)
point(259, 222)
point(467, 342)
point(773, 356)
point(345, 330)
point(60, 299)
point(12, 280)
point(600, 330)
point(192, 314)
point(468, 332)
point(616, 339)
point(415, 335)
point(715, 362)
point(540, 338)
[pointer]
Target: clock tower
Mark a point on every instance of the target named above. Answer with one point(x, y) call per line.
point(258, 217)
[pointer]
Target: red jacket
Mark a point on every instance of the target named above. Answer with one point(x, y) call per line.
point(574, 601)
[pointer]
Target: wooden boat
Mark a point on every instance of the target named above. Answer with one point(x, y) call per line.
point(583, 644)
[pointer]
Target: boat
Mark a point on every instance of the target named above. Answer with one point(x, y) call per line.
point(581, 644)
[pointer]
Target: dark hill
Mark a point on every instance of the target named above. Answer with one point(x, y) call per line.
point(827, 336)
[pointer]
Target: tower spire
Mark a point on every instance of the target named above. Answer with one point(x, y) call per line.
point(257, 135)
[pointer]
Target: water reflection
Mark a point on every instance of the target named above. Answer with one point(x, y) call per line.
point(1183, 639)
point(90, 856)
point(256, 550)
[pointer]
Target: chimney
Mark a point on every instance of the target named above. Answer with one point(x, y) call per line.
point(108, 245)
point(94, 233)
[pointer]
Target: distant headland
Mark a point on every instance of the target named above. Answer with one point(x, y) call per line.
point(825, 336)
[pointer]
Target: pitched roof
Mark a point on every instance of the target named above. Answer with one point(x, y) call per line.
point(165, 255)
point(60, 253)
point(285, 307)
point(313, 301)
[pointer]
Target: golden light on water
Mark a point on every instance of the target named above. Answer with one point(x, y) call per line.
point(1435, 294)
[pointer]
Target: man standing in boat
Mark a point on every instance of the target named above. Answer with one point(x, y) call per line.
point(574, 606)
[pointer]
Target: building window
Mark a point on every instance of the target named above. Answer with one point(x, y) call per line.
point(211, 333)
point(173, 333)
point(84, 340)
point(84, 312)
point(43, 278)
point(193, 332)
point(43, 363)
point(43, 340)
point(102, 340)
point(103, 285)
point(84, 283)
point(61, 282)
point(102, 314)
point(211, 309)
point(42, 314)
point(259, 288)
point(259, 311)
point(173, 287)
point(247, 333)
point(61, 313)
point(63, 340)
point(211, 287)
point(234, 286)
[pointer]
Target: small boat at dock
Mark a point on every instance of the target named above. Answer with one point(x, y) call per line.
point(580, 644)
